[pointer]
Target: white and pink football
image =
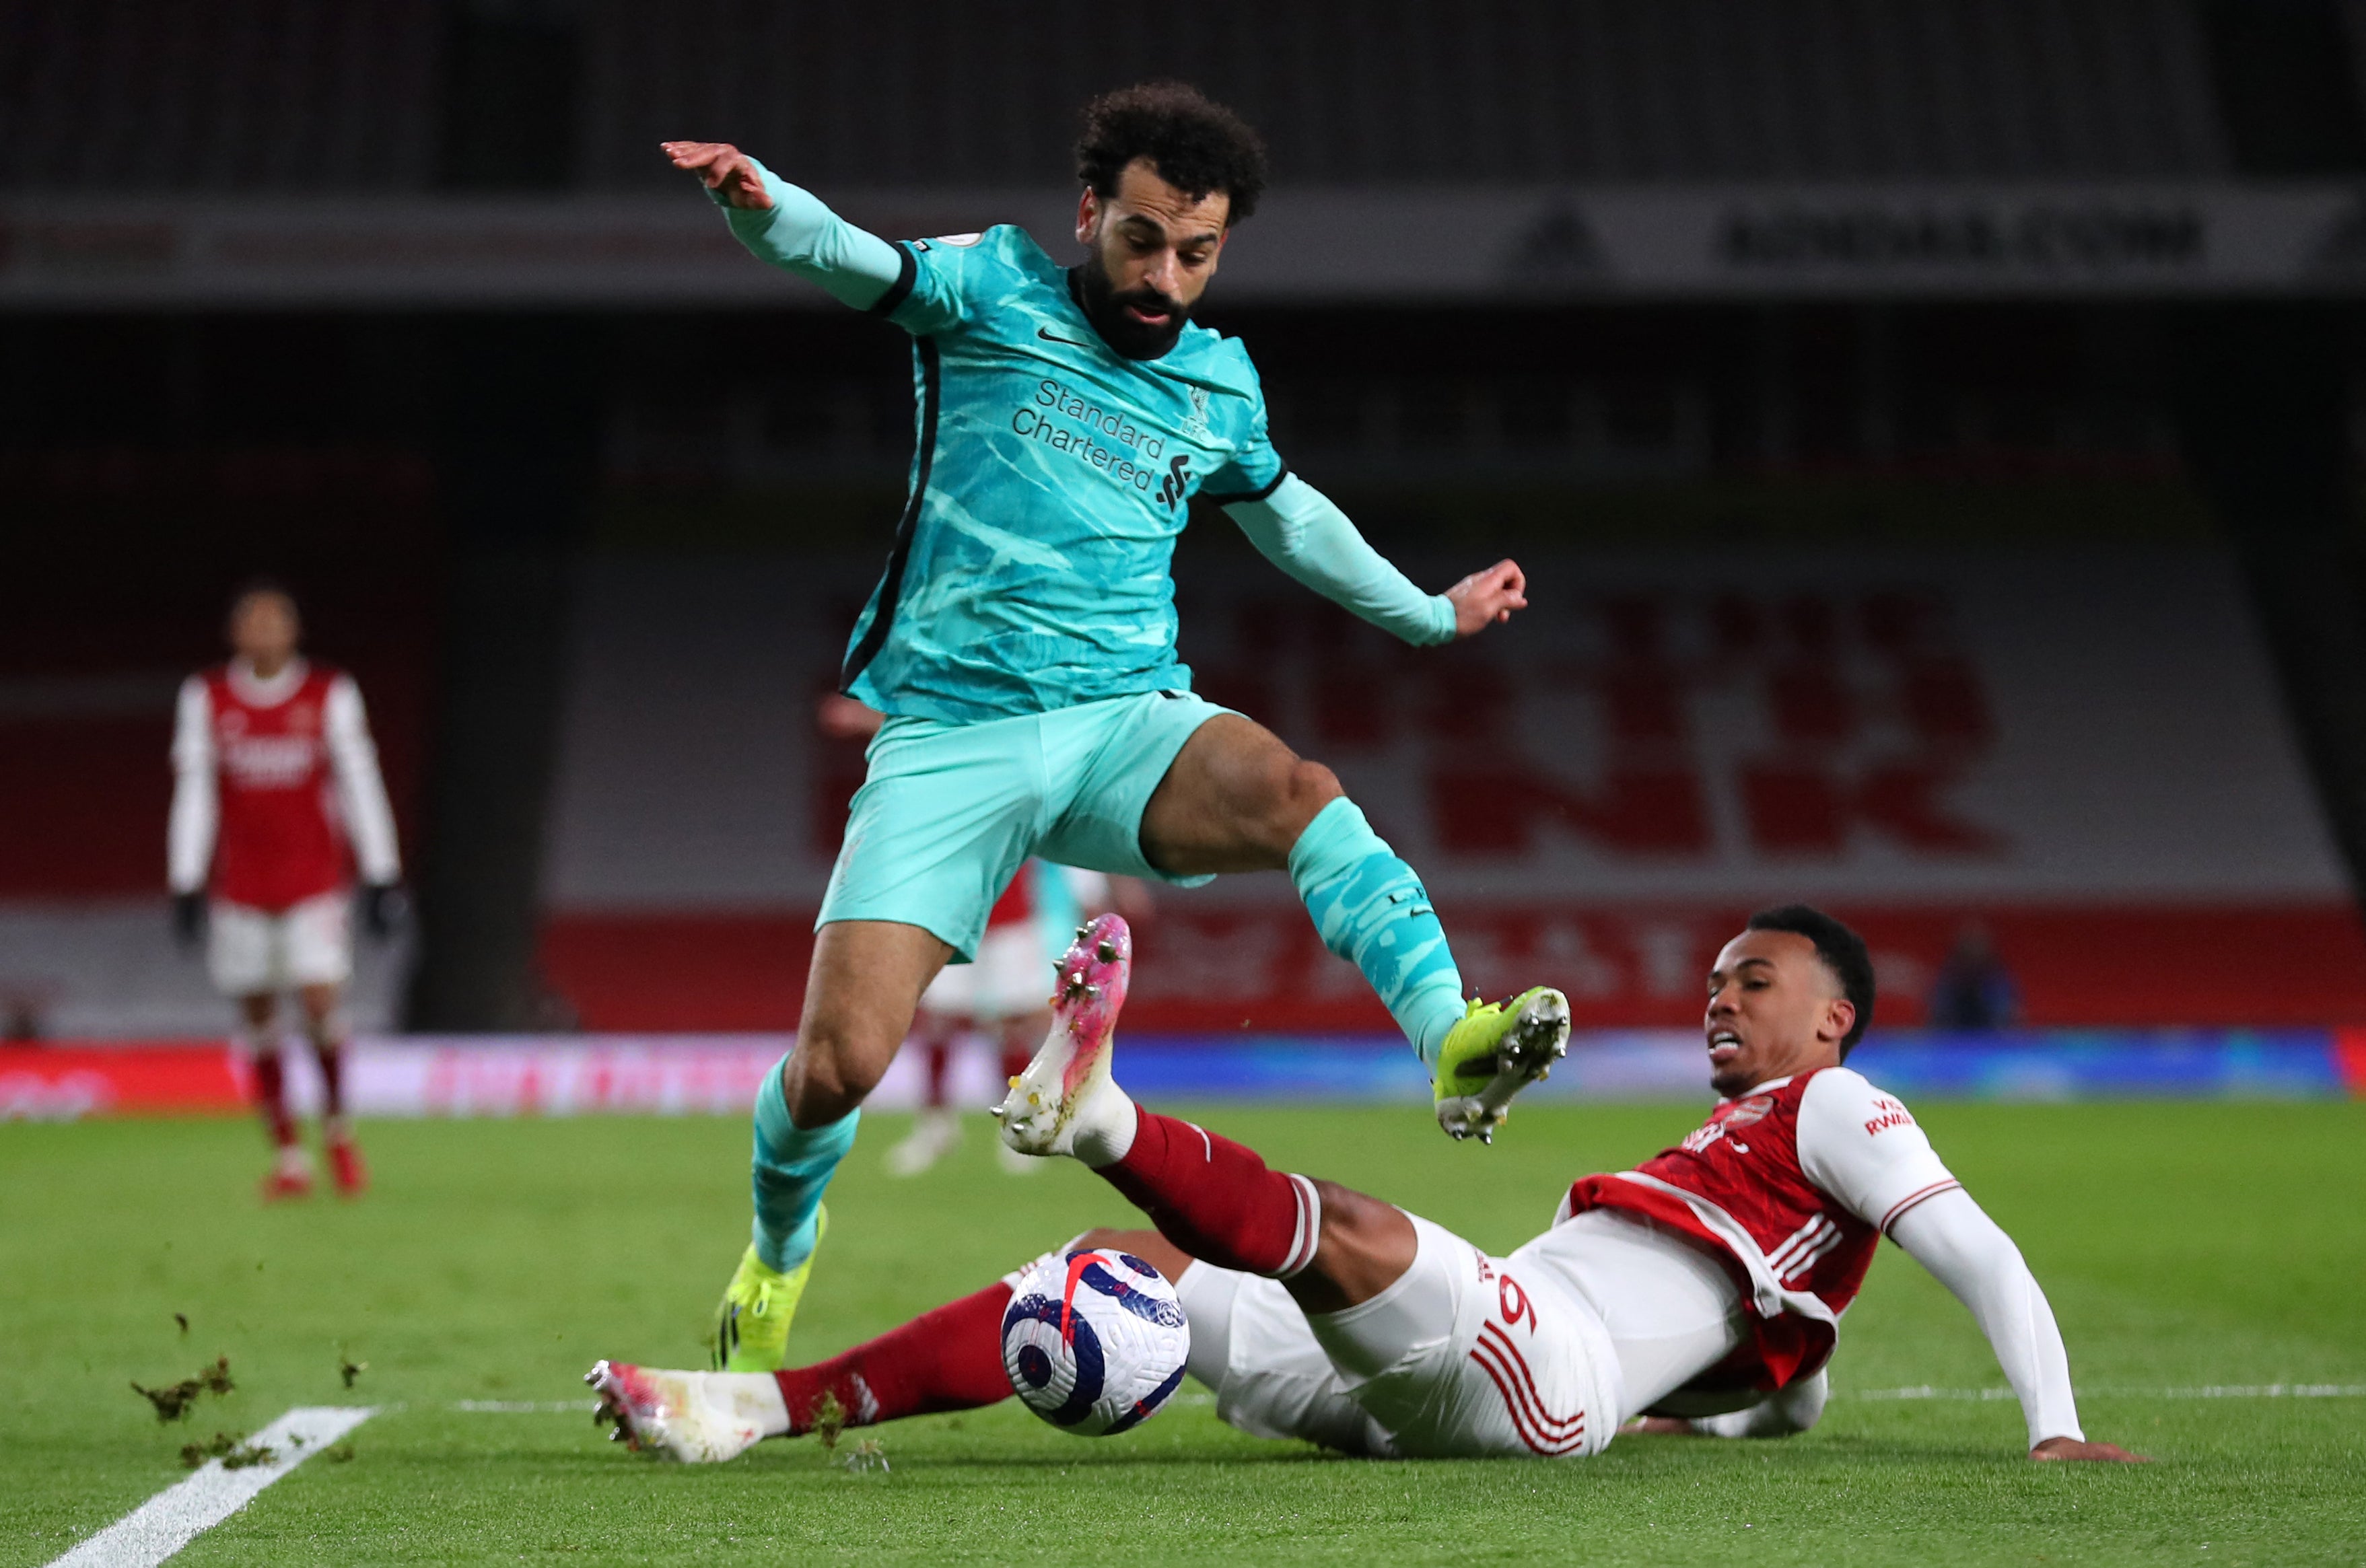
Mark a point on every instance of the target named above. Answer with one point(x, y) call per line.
point(1094, 1340)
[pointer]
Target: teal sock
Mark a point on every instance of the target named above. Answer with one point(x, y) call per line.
point(792, 1166)
point(1370, 910)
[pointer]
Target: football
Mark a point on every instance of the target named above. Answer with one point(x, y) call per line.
point(1094, 1340)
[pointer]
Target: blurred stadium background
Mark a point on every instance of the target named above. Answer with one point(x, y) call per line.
point(1933, 432)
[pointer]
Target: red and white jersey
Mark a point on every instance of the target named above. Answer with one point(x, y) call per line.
point(1017, 901)
point(1031, 896)
point(1790, 1187)
point(277, 787)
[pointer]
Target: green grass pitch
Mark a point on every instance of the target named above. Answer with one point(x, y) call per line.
point(2182, 1246)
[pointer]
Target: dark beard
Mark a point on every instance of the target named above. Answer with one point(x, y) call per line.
point(1104, 306)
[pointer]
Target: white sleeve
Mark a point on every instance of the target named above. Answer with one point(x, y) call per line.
point(1793, 1409)
point(197, 809)
point(360, 790)
point(1862, 1147)
point(1969, 1253)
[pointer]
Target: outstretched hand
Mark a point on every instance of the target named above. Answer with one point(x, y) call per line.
point(2072, 1448)
point(1487, 598)
point(722, 167)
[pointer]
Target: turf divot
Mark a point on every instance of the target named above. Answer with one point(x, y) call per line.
point(178, 1515)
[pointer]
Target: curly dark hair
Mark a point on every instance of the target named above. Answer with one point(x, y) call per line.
point(1195, 143)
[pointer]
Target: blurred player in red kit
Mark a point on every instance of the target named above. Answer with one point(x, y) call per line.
point(1005, 992)
point(276, 801)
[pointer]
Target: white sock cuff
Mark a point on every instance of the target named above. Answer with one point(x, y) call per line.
point(753, 1397)
point(1308, 1237)
point(1106, 1125)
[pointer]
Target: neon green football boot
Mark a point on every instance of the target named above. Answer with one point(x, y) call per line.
point(1497, 1049)
point(751, 1326)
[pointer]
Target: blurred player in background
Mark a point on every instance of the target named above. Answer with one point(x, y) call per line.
point(1973, 991)
point(1005, 991)
point(1022, 640)
point(276, 795)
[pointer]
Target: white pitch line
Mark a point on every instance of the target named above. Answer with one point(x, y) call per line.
point(2212, 1391)
point(178, 1515)
point(524, 1407)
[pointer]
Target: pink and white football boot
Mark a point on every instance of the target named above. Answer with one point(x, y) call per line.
point(695, 1417)
point(1039, 1115)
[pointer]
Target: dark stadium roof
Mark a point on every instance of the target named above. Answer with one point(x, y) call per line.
point(225, 97)
point(286, 96)
point(1351, 91)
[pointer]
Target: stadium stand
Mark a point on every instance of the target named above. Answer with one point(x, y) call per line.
point(2079, 746)
point(249, 96)
point(550, 487)
point(1496, 90)
point(225, 98)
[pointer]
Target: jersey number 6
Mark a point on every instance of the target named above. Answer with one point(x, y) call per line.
point(1515, 1304)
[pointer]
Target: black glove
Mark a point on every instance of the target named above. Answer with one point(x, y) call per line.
point(383, 909)
point(188, 920)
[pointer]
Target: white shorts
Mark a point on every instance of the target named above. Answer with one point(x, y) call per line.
point(1011, 977)
point(1670, 1309)
point(1464, 1357)
point(250, 951)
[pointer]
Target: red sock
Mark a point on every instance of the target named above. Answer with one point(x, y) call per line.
point(939, 1059)
point(947, 1360)
point(332, 1077)
point(1216, 1200)
point(271, 1097)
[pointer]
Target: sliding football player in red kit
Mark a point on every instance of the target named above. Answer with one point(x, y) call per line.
point(1700, 1292)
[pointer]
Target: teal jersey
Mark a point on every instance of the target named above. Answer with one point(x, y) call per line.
point(1031, 566)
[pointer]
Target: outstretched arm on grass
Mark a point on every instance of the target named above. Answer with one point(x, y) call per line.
point(1967, 1252)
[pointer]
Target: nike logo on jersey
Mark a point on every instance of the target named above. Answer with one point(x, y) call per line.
point(1050, 336)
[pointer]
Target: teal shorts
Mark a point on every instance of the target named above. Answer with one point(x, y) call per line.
point(948, 811)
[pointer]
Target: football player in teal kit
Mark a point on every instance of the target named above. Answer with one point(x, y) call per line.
point(1022, 640)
